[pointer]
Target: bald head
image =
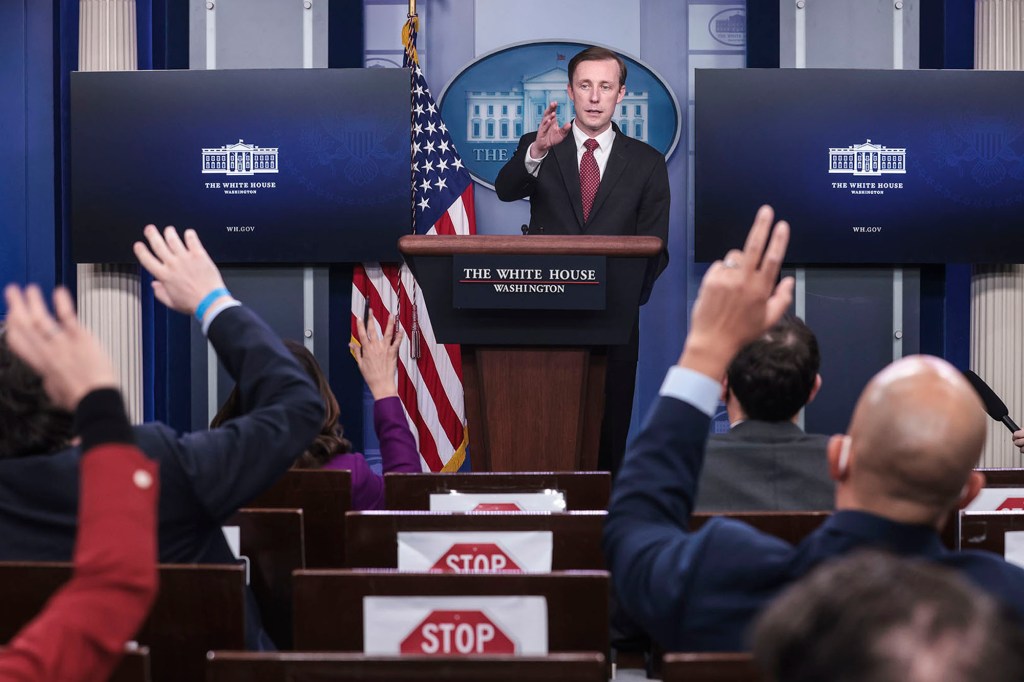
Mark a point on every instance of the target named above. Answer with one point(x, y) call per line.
point(917, 432)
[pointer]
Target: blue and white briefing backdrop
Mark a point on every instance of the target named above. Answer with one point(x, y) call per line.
point(500, 96)
point(867, 166)
point(269, 166)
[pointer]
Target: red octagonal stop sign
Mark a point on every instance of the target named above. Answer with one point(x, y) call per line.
point(475, 556)
point(457, 633)
point(497, 506)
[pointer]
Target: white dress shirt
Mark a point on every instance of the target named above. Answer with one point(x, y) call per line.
point(604, 141)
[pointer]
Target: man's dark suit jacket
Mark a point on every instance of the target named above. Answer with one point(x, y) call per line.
point(632, 199)
point(205, 476)
point(765, 466)
point(701, 590)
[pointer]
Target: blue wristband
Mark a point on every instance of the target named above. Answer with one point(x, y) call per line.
point(204, 304)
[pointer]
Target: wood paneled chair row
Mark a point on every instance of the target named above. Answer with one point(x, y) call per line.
point(198, 608)
point(134, 667)
point(325, 496)
point(372, 537)
point(328, 605)
point(235, 666)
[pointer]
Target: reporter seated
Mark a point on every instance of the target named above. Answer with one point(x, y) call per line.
point(377, 357)
point(206, 475)
point(906, 463)
point(81, 634)
point(766, 462)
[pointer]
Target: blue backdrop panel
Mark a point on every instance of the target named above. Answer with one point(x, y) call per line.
point(868, 166)
point(327, 180)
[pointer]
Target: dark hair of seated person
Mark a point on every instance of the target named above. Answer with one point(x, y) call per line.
point(330, 441)
point(30, 424)
point(773, 376)
point(874, 617)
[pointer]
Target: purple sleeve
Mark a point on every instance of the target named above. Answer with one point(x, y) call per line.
point(397, 446)
point(367, 485)
point(397, 452)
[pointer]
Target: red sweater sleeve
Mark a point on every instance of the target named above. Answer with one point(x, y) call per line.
point(81, 633)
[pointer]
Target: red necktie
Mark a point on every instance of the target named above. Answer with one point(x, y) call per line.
point(590, 176)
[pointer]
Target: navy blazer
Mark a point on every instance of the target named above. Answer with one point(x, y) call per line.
point(700, 591)
point(632, 199)
point(205, 476)
point(765, 466)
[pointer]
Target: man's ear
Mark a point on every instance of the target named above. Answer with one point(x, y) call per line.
point(975, 482)
point(838, 452)
point(622, 93)
point(814, 389)
point(724, 395)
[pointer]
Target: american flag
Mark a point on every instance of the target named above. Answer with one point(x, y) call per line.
point(429, 373)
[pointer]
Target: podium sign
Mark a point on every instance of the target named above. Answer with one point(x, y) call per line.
point(528, 282)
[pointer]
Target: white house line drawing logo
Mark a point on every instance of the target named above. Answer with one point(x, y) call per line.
point(502, 116)
point(729, 27)
point(867, 159)
point(240, 159)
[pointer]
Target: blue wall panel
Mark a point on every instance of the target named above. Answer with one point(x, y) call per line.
point(27, 230)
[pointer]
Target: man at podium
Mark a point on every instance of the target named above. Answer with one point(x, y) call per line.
point(586, 177)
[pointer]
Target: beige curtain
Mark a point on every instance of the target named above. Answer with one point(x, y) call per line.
point(109, 295)
point(997, 292)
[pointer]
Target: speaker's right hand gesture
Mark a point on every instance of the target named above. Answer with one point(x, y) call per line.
point(549, 133)
point(184, 272)
point(1018, 440)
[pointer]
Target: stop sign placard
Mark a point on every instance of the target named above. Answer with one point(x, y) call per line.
point(497, 507)
point(455, 625)
point(477, 551)
point(465, 557)
point(457, 633)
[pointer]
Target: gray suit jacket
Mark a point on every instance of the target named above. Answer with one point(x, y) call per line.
point(765, 466)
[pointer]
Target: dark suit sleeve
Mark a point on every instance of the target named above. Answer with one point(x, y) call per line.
point(653, 220)
point(669, 579)
point(281, 413)
point(513, 181)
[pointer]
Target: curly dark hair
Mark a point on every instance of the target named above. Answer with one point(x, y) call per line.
point(29, 423)
point(330, 441)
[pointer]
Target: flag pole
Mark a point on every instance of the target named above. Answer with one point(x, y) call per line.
point(414, 336)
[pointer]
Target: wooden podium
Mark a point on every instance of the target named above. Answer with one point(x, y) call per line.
point(533, 377)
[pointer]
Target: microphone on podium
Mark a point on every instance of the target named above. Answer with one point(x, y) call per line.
point(525, 228)
point(995, 407)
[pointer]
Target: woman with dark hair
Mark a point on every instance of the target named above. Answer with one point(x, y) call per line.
point(377, 358)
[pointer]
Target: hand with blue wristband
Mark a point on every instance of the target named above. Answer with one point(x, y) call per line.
point(187, 280)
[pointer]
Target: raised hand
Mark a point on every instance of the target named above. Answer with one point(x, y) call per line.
point(738, 298)
point(377, 357)
point(184, 272)
point(549, 133)
point(69, 359)
point(1018, 439)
